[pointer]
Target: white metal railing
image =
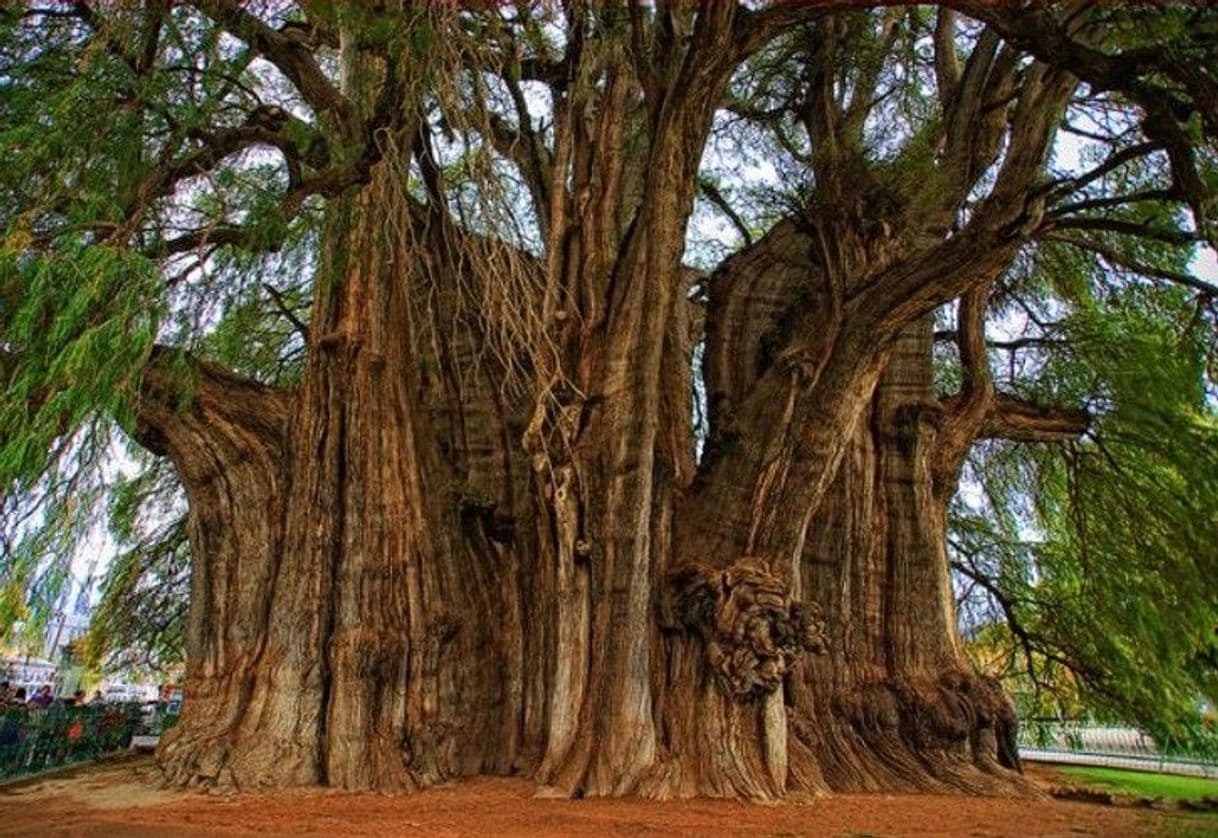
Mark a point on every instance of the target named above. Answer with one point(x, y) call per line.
point(1113, 746)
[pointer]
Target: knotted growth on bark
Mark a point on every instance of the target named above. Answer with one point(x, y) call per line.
point(753, 632)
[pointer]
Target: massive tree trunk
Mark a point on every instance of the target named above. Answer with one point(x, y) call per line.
point(227, 442)
point(369, 640)
point(396, 582)
point(475, 538)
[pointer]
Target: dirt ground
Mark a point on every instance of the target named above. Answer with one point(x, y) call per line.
point(115, 800)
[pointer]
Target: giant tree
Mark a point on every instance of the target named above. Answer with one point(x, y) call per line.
point(485, 471)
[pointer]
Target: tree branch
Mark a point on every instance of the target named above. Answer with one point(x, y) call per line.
point(1001, 223)
point(754, 29)
point(1120, 226)
point(328, 183)
point(1007, 603)
point(947, 59)
point(289, 54)
point(1116, 260)
point(1162, 78)
point(1014, 345)
point(217, 399)
point(1115, 161)
point(1019, 420)
point(1090, 204)
point(712, 194)
point(968, 410)
point(283, 308)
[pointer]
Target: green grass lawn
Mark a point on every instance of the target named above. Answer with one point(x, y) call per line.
point(1141, 783)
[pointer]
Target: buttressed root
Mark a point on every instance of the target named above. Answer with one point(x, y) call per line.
point(753, 632)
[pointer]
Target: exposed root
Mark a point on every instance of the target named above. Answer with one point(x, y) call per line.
point(955, 732)
point(220, 763)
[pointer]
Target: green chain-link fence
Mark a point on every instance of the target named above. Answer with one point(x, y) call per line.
point(33, 741)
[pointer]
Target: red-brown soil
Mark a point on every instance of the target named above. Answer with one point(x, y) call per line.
point(115, 800)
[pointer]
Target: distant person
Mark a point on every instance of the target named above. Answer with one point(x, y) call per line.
point(18, 697)
point(11, 722)
point(43, 698)
point(6, 692)
point(97, 698)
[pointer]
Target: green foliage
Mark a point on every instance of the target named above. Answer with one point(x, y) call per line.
point(85, 318)
point(90, 134)
point(1105, 548)
point(140, 620)
point(81, 320)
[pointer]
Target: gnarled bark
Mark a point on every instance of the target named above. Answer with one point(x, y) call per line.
point(227, 438)
point(432, 601)
point(364, 646)
point(895, 704)
point(446, 554)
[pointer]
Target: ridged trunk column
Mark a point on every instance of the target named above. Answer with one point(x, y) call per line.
point(372, 655)
point(894, 704)
point(227, 437)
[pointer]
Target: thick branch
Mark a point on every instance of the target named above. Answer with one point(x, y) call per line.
point(974, 111)
point(947, 59)
point(328, 183)
point(289, 55)
point(1163, 78)
point(754, 29)
point(863, 98)
point(184, 401)
point(1017, 419)
point(269, 126)
point(968, 410)
point(978, 411)
point(1002, 222)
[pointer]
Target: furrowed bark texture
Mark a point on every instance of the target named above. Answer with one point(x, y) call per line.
point(228, 443)
point(388, 592)
point(894, 703)
point(448, 554)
